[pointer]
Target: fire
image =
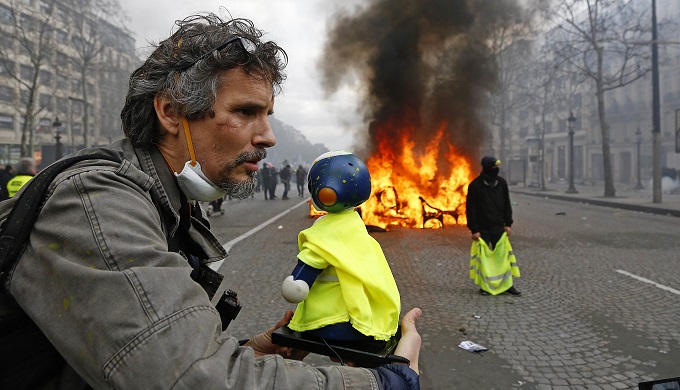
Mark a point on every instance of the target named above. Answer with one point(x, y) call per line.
point(409, 190)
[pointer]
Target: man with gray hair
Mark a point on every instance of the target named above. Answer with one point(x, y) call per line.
point(25, 170)
point(116, 272)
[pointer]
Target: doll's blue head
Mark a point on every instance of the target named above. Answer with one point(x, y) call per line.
point(338, 181)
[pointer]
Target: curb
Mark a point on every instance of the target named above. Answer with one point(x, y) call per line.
point(605, 203)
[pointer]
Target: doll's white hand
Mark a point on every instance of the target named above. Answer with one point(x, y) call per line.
point(294, 291)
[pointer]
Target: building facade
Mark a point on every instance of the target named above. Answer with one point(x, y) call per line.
point(60, 106)
point(628, 115)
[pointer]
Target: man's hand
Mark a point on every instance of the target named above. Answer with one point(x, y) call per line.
point(409, 345)
point(508, 230)
point(262, 343)
point(475, 236)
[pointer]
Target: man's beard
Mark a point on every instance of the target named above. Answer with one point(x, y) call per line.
point(246, 188)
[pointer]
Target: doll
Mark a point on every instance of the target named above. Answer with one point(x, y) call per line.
point(342, 282)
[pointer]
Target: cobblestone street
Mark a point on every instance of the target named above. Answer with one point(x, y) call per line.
point(589, 317)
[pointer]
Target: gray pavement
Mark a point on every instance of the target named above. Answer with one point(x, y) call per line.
point(587, 318)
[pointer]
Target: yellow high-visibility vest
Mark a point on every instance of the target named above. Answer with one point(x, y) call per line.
point(15, 183)
point(492, 270)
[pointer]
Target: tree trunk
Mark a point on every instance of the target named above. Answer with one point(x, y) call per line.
point(27, 150)
point(502, 134)
point(83, 87)
point(541, 153)
point(609, 190)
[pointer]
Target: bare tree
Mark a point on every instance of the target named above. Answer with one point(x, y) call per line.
point(510, 62)
point(597, 40)
point(542, 92)
point(548, 86)
point(513, 43)
point(33, 36)
point(90, 33)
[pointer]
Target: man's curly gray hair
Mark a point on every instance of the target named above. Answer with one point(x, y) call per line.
point(172, 71)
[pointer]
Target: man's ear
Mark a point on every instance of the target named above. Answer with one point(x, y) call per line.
point(169, 120)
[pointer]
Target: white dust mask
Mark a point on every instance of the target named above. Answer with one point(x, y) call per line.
point(196, 185)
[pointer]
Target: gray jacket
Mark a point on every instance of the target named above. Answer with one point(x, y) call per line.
point(98, 279)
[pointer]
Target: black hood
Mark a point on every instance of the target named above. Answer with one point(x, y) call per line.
point(490, 166)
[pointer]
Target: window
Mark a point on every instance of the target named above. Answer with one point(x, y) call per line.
point(46, 101)
point(77, 108)
point(27, 72)
point(44, 126)
point(523, 131)
point(44, 7)
point(62, 59)
point(62, 104)
point(77, 41)
point(28, 23)
point(7, 42)
point(62, 36)
point(77, 128)
point(6, 67)
point(62, 84)
point(5, 14)
point(6, 94)
point(25, 94)
point(45, 77)
point(6, 121)
point(60, 13)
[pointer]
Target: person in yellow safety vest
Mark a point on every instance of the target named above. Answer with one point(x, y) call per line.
point(489, 218)
point(25, 170)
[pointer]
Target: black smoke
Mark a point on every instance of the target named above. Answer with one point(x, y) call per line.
point(421, 64)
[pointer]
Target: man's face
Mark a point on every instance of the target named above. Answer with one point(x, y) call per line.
point(230, 145)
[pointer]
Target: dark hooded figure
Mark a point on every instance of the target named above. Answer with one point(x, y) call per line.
point(488, 209)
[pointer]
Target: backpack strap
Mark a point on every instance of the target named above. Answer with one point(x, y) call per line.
point(19, 222)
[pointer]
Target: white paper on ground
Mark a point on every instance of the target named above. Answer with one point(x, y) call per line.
point(472, 347)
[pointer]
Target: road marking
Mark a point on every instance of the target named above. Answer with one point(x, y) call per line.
point(228, 245)
point(645, 280)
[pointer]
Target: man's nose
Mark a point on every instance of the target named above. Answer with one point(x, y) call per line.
point(265, 136)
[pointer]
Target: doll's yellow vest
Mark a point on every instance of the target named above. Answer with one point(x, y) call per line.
point(356, 284)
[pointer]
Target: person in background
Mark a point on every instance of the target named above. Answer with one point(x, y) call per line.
point(25, 170)
point(5, 175)
point(258, 179)
point(489, 218)
point(301, 180)
point(265, 178)
point(273, 180)
point(116, 271)
point(285, 175)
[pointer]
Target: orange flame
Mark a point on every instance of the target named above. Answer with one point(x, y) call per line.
point(409, 189)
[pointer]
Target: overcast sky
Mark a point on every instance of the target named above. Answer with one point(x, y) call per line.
point(299, 27)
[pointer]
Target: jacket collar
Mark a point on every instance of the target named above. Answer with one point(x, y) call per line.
point(165, 192)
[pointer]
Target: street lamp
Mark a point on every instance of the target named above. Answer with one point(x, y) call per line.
point(58, 147)
point(638, 134)
point(570, 124)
